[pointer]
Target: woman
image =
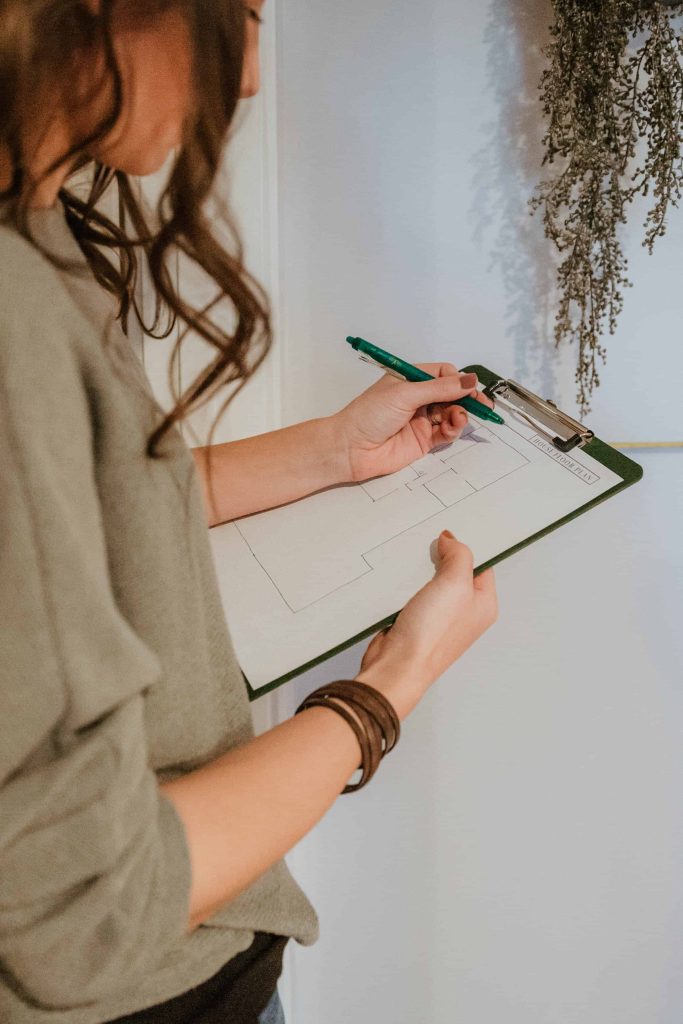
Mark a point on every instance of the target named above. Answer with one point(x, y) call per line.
point(142, 826)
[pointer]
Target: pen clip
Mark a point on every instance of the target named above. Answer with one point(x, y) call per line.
point(385, 369)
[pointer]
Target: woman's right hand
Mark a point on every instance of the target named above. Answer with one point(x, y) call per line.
point(434, 628)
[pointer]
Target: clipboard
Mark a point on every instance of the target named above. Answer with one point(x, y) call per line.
point(554, 444)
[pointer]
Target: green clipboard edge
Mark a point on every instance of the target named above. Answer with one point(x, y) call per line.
point(629, 471)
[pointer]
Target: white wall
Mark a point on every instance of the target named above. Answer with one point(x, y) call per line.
point(518, 856)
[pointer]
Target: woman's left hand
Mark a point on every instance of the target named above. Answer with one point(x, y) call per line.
point(390, 425)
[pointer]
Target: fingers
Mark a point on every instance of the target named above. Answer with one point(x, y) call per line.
point(447, 420)
point(457, 562)
point(448, 385)
point(468, 381)
point(414, 394)
point(456, 419)
point(456, 558)
point(438, 369)
point(451, 426)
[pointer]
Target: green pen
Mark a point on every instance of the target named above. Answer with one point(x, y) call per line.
point(410, 372)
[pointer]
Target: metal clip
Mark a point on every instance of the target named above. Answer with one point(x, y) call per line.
point(540, 413)
point(384, 369)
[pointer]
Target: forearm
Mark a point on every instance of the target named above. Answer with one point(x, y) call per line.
point(270, 469)
point(245, 810)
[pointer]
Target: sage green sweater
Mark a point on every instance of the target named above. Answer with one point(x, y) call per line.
point(117, 667)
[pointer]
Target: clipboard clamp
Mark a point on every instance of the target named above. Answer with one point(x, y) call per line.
point(543, 415)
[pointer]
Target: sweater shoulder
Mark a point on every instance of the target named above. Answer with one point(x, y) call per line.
point(41, 327)
point(27, 273)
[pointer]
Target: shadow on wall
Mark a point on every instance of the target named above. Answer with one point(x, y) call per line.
point(508, 167)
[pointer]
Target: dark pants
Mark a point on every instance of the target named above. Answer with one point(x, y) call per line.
point(242, 992)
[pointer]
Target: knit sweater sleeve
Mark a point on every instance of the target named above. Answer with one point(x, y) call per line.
point(94, 866)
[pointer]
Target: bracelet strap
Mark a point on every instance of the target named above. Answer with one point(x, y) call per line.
point(361, 695)
point(374, 720)
point(369, 759)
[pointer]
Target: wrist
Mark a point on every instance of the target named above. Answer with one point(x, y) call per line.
point(335, 436)
point(402, 689)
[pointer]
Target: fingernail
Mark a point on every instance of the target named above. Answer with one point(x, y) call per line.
point(469, 380)
point(448, 534)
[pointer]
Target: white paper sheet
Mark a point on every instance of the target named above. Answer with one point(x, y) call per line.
point(298, 580)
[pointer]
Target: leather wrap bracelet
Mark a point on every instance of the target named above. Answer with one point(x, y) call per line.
point(371, 716)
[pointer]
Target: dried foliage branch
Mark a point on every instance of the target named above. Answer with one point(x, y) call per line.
point(612, 94)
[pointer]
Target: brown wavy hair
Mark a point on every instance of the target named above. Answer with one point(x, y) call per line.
point(41, 41)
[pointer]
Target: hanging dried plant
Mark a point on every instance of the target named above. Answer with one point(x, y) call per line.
point(612, 95)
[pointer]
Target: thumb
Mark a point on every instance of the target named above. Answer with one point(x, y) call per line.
point(455, 558)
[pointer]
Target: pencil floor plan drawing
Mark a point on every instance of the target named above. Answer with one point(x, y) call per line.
point(345, 535)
